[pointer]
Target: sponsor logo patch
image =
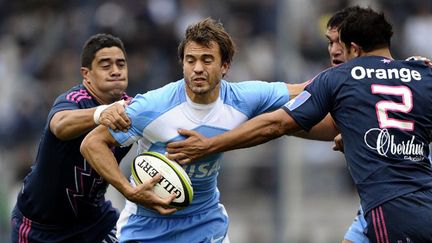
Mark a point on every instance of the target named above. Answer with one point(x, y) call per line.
point(298, 100)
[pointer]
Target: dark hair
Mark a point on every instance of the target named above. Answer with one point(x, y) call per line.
point(367, 28)
point(205, 31)
point(336, 19)
point(97, 42)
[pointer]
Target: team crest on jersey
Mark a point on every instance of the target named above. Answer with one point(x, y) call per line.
point(298, 100)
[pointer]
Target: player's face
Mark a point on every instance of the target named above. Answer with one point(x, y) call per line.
point(334, 47)
point(203, 70)
point(108, 78)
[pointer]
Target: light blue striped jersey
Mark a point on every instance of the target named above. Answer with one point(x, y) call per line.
point(157, 115)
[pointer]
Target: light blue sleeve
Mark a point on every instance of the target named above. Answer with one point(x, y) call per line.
point(256, 97)
point(145, 108)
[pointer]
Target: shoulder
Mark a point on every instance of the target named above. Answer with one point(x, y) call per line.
point(162, 98)
point(77, 96)
point(252, 87)
point(251, 84)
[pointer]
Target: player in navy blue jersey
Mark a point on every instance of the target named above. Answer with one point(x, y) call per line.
point(383, 109)
point(62, 198)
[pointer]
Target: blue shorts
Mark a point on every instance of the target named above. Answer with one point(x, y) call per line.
point(209, 226)
point(26, 230)
point(404, 219)
point(356, 232)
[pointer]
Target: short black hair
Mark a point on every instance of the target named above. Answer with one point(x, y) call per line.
point(97, 42)
point(337, 18)
point(367, 28)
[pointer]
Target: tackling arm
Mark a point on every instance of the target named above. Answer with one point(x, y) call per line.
point(256, 131)
point(69, 124)
point(325, 130)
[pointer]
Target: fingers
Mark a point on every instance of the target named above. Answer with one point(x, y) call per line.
point(177, 146)
point(164, 211)
point(179, 158)
point(163, 206)
point(193, 147)
point(115, 118)
point(151, 200)
point(145, 196)
point(174, 146)
point(335, 147)
point(338, 146)
point(187, 133)
point(154, 180)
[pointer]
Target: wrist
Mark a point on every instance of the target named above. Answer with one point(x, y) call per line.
point(98, 112)
point(211, 146)
point(101, 108)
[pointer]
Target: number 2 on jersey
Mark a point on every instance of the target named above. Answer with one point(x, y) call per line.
point(383, 107)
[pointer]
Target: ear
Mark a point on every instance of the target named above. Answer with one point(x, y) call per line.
point(85, 74)
point(356, 49)
point(225, 67)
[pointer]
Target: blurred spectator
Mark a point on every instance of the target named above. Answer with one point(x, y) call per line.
point(417, 31)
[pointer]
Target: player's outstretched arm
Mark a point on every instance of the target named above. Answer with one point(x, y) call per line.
point(96, 150)
point(325, 130)
point(256, 131)
point(69, 124)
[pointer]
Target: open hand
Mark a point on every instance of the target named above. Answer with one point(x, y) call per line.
point(188, 150)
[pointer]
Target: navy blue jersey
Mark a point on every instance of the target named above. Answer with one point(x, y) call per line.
point(383, 108)
point(62, 188)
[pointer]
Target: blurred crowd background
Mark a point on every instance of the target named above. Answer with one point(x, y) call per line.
point(288, 190)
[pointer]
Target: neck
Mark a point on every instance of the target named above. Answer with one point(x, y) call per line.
point(100, 100)
point(206, 97)
point(383, 52)
point(202, 98)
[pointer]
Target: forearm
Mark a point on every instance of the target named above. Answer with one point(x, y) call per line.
point(257, 131)
point(98, 154)
point(70, 124)
point(325, 130)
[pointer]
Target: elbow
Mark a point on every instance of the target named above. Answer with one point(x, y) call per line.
point(277, 128)
point(281, 123)
point(60, 132)
point(85, 147)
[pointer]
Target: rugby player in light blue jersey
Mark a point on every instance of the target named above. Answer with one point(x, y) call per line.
point(202, 101)
point(383, 110)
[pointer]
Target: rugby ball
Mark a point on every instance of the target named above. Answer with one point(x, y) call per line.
point(174, 177)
